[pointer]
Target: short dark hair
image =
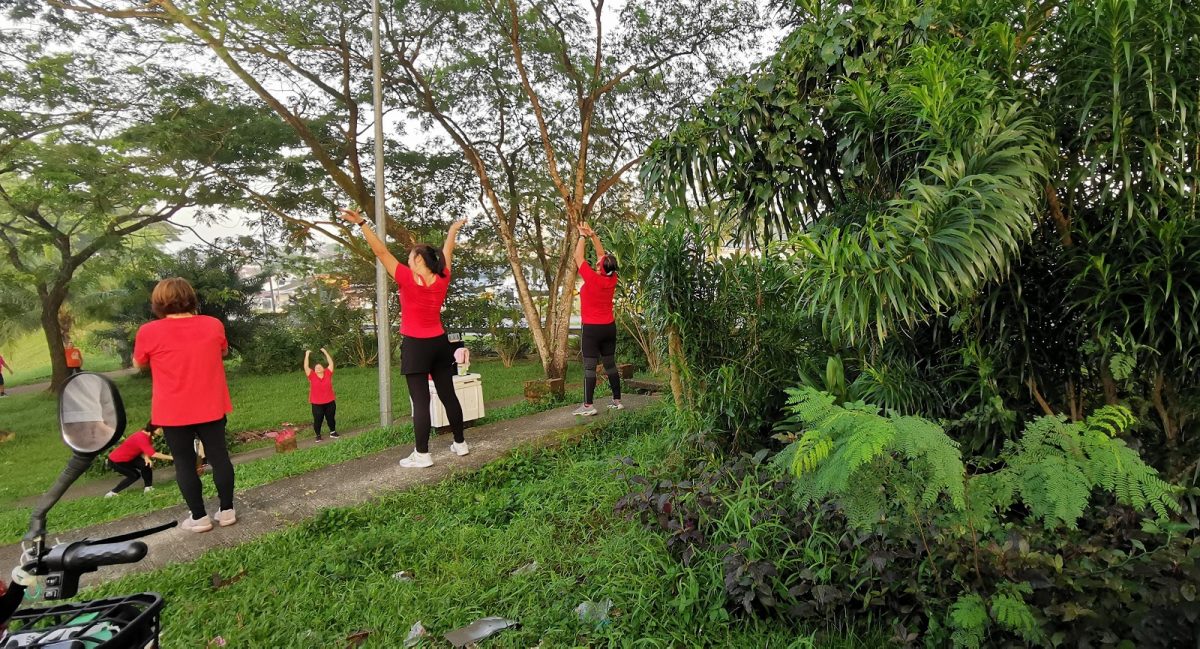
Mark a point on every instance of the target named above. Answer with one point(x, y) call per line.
point(433, 258)
point(173, 295)
point(150, 427)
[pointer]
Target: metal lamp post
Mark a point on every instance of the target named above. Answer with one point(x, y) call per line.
point(382, 328)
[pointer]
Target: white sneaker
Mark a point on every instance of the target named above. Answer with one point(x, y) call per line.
point(460, 449)
point(616, 405)
point(226, 517)
point(147, 490)
point(196, 525)
point(584, 411)
point(417, 461)
point(111, 494)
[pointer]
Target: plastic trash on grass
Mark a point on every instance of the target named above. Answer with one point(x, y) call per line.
point(478, 630)
point(415, 634)
point(594, 612)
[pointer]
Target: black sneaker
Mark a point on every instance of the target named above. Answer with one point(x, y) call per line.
point(319, 440)
point(333, 435)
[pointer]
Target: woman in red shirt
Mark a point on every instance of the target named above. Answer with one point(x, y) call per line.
point(320, 394)
point(132, 459)
point(425, 350)
point(189, 396)
point(596, 314)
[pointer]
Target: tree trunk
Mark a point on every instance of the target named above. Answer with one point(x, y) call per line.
point(562, 328)
point(52, 300)
point(675, 350)
point(1164, 414)
point(1106, 380)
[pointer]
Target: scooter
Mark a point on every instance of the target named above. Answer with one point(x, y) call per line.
point(92, 418)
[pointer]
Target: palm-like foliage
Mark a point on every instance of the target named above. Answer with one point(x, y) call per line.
point(1003, 192)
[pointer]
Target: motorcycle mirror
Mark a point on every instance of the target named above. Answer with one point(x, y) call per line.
point(90, 412)
point(91, 418)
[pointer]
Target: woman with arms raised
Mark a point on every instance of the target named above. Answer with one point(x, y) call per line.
point(424, 349)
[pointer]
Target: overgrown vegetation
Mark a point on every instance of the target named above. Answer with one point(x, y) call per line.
point(868, 520)
point(549, 511)
point(959, 226)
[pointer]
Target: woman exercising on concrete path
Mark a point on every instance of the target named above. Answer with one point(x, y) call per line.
point(596, 314)
point(425, 350)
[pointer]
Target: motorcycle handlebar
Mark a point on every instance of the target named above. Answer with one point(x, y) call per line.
point(85, 558)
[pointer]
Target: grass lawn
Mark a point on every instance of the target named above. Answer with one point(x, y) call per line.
point(319, 582)
point(29, 463)
point(73, 514)
point(31, 358)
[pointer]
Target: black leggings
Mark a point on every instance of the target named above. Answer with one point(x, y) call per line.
point(133, 470)
point(589, 377)
point(600, 344)
point(418, 389)
point(326, 411)
point(212, 436)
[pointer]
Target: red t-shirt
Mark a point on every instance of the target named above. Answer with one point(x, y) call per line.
point(133, 446)
point(74, 357)
point(320, 389)
point(185, 356)
point(596, 296)
point(421, 305)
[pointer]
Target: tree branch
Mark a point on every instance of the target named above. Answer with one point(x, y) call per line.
point(514, 36)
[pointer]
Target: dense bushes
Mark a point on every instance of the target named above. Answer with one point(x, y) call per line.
point(868, 532)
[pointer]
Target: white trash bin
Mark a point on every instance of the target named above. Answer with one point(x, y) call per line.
point(469, 389)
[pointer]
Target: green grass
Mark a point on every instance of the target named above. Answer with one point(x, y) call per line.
point(29, 463)
point(74, 514)
point(315, 584)
point(31, 358)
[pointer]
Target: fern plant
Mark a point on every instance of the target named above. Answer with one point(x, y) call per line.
point(871, 463)
point(970, 617)
point(1056, 465)
point(868, 461)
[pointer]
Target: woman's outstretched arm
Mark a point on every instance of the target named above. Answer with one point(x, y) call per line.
point(307, 369)
point(377, 246)
point(451, 240)
point(328, 359)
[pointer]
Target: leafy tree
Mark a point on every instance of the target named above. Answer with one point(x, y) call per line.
point(547, 104)
point(215, 273)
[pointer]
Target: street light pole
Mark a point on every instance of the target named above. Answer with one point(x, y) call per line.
point(382, 327)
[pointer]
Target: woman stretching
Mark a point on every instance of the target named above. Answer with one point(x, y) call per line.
point(320, 394)
point(133, 457)
point(599, 325)
point(425, 350)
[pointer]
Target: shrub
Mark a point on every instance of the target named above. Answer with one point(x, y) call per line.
point(1005, 557)
point(276, 348)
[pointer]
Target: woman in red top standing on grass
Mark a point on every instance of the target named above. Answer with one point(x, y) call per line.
point(320, 394)
point(189, 398)
point(425, 350)
point(599, 324)
point(133, 457)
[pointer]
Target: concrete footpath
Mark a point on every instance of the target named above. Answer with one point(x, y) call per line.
point(164, 475)
point(278, 505)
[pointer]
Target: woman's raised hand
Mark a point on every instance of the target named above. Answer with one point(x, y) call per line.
point(586, 230)
point(350, 215)
point(457, 225)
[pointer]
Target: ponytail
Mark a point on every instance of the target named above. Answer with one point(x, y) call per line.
point(433, 258)
point(609, 263)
